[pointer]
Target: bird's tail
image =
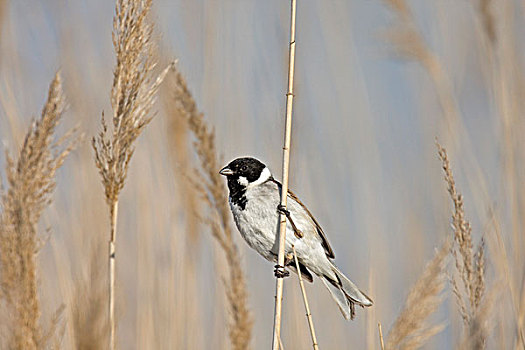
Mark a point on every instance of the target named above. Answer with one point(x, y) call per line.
point(345, 292)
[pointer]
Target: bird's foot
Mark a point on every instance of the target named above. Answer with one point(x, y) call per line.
point(281, 272)
point(281, 209)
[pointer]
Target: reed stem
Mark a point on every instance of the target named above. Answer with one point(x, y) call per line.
point(111, 258)
point(305, 299)
point(286, 162)
point(381, 340)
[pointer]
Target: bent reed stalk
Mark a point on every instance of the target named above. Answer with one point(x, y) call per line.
point(284, 190)
point(210, 188)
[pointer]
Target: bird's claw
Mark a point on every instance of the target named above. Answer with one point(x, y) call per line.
point(281, 209)
point(280, 272)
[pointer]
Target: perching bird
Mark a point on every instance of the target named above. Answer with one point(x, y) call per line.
point(255, 204)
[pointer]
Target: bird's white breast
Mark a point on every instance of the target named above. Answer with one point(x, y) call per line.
point(258, 222)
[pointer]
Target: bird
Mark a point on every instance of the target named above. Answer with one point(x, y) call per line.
point(254, 198)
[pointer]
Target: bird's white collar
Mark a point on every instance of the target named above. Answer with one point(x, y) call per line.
point(265, 175)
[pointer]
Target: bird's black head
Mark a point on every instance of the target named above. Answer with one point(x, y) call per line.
point(245, 170)
point(243, 173)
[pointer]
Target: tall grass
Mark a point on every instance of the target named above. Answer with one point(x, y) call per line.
point(469, 286)
point(208, 182)
point(31, 183)
point(132, 97)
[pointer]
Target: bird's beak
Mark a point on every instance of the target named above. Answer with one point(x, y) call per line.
point(226, 171)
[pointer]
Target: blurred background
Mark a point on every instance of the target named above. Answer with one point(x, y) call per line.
point(376, 83)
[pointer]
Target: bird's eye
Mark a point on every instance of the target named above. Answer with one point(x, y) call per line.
point(244, 168)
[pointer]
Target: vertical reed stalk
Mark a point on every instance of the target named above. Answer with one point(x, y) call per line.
point(381, 339)
point(305, 299)
point(132, 96)
point(284, 190)
point(113, 236)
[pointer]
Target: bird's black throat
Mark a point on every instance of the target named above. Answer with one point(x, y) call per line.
point(237, 192)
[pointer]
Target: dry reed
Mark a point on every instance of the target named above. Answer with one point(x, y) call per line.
point(305, 301)
point(469, 288)
point(381, 339)
point(212, 191)
point(31, 180)
point(132, 96)
point(411, 329)
point(279, 285)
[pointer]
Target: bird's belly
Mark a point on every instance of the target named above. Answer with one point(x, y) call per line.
point(258, 224)
point(258, 228)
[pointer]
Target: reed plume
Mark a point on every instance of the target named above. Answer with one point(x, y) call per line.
point(132, 96)
point(469, 287)
point(411, 329)
point(31, 182)
point(213, 192)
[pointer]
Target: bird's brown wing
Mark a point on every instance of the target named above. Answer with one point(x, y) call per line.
point(324, 240)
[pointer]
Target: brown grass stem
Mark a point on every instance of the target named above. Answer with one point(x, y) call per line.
point(286, 162)
point(305, 300)
point(111, 267)
point(381, 339)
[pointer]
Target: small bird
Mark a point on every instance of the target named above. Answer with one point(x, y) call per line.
point(255, 204)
